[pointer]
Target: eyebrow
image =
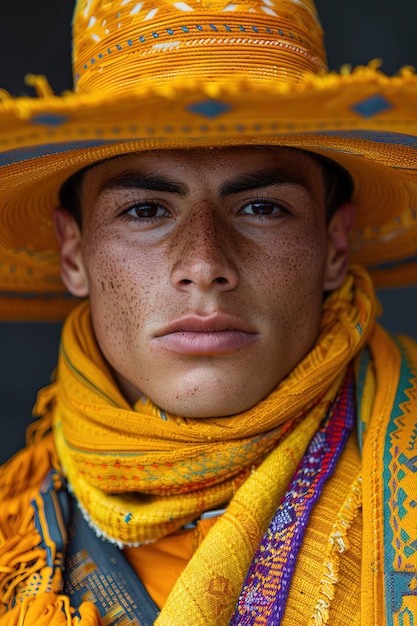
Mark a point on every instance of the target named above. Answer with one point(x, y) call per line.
point(259, 179)
point(245, 182)
point(137, 180)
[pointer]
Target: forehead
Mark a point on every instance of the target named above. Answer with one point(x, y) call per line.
point(212, 166)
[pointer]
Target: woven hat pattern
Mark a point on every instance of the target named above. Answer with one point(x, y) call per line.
point(177, 39)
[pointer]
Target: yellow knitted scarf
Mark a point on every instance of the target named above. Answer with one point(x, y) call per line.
point(160, 471)
point(139, 475)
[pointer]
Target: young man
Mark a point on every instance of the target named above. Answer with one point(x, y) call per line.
point(230, 437)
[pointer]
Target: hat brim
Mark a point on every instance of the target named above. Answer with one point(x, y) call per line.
point(363, 120)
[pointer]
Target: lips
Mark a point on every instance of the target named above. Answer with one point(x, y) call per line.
point(196, 335)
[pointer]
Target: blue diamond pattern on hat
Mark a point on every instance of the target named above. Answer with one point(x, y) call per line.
point(371, 106)
point(209, 108)
point(49, 119)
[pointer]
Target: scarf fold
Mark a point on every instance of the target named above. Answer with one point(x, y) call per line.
point(265, 591)
point(130, 470)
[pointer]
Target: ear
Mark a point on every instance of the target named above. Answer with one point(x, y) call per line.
point(338, 232)
point(73, 271)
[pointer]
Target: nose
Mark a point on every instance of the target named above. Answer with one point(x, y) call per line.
point(202, 252)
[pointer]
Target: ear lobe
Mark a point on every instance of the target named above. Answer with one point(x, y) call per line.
point(338, 246)
point(73, 271)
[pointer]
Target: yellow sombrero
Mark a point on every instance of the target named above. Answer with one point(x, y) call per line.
point(193, 73)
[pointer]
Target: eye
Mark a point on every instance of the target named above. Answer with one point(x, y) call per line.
point(262, 208)
point(147, 210)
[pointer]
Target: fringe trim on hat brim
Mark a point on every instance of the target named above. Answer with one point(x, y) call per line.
point(24, 107)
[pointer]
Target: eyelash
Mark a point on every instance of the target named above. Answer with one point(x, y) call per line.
point(145, 205)
point(267, 201)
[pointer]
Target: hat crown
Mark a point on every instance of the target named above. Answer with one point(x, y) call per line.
point(154, 42)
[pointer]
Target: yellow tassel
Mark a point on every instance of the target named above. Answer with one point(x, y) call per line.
point(43, 408)
point(44, 400)
point(346, 70)
point(337, 545)
point(375, 64)
point(41, 85)
point(406, 71)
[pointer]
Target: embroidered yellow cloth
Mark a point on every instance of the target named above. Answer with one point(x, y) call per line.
point(102, 446)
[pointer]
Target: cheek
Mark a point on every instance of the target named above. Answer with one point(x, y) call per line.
point(122, 281)
point(289, 274)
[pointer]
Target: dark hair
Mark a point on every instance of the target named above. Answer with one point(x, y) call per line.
point(338, 186)
point(70, 195)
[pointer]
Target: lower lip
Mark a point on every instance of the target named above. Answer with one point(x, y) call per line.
point(206, 343)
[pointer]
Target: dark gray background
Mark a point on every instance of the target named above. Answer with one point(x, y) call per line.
point(35, 37)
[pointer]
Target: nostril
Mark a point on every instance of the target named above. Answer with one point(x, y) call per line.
point(221, 280)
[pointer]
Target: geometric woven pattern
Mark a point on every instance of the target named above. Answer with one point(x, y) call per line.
point(372, 106)
point(209, 108)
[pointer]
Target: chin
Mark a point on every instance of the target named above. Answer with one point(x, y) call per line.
point(199, 407)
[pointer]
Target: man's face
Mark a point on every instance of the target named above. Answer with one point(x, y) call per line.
point(206, 271)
